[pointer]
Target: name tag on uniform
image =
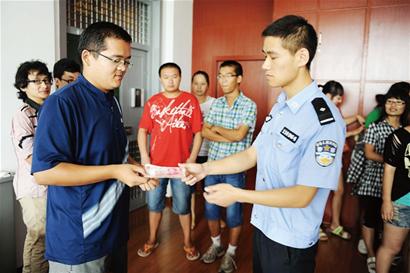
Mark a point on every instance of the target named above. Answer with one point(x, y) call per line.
point(289, 134)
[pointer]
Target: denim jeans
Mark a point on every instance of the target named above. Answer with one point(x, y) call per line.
point(234, 213)
point(401, 217)
point(181, 196)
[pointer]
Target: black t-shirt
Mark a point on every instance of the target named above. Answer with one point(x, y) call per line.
point(397, 154)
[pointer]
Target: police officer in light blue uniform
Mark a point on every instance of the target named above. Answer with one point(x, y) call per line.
point(298, 156)
point(301, 143)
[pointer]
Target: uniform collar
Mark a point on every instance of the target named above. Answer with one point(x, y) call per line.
point(97, 92)
point(298, 100)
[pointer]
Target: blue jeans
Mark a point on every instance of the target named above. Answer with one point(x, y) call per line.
point(234, 213)
point(181, 196)
point(401, 216)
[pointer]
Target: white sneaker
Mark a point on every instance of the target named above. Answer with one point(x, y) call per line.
point(371, 264)
point(361, 247)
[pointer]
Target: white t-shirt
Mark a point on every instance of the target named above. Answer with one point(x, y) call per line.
point(205, 107)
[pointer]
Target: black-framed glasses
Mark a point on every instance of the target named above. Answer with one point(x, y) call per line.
point(397, 102)
point(39, 82)
point(224, 77)
point(116, 61)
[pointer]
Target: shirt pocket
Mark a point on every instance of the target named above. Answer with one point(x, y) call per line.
point(285, 145)
point(287, 153)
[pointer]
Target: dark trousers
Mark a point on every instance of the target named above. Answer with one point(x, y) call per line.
point(117, 262)
point(272, 257)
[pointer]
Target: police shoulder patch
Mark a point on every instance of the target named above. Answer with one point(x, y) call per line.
point(325, 152)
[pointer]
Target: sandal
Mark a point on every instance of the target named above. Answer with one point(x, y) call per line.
point(191, 253)
point(341, 233)
point(322, 235)
point(371, 264)
point(147, 249)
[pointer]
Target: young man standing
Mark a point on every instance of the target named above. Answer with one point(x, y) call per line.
point(228, 127)
point(298, 155)
point(34, 84)
point(173, 119)
point(81, 152)
point(65, 71)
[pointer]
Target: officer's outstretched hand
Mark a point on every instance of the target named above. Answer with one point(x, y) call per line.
point(221, 194)
point(193, 172)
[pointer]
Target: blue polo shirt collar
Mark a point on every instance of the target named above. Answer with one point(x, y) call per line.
point(300, 99)
point(105, 97)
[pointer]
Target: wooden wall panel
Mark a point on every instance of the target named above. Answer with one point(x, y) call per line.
point(294, 5)
point(375, 3)
point(389, 44)
point(337, 4)
point(339, 54)
point(227, 28)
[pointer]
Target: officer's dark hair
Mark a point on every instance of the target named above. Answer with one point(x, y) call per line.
point(65, 65)
point(203, 73)
point(296, 33)
point(333, 88)
point(26, 68)
point(236, 65)
point(399, 90)
point(93, 37)
point(169, 65)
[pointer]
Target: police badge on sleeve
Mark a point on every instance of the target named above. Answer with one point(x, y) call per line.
point(325, 152)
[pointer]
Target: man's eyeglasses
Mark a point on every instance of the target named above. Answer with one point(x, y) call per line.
point(397, 102)
point(117, 61)
point(38, 82)
point(227, 76)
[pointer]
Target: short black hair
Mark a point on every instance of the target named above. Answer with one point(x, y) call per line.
point(21, 79)
point(169, 65)
point(399, 90)
point(203, 73)
point(64, 65)
point(333, 88)
point(237, 66)
point(296, 33)
point(93, 37)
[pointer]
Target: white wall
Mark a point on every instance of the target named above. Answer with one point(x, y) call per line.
point(176, 37)
point(28, 31)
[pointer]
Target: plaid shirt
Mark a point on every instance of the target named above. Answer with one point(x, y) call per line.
point(370, 183)
point(242, 112)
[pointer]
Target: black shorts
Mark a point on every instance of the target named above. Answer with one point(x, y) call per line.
point(371, 207)
point(270, 256)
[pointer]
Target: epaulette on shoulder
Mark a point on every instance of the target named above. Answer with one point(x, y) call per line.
point(323, 112)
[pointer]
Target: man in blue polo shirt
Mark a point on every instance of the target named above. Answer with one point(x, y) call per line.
point(81, 152)
point(298, 155)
